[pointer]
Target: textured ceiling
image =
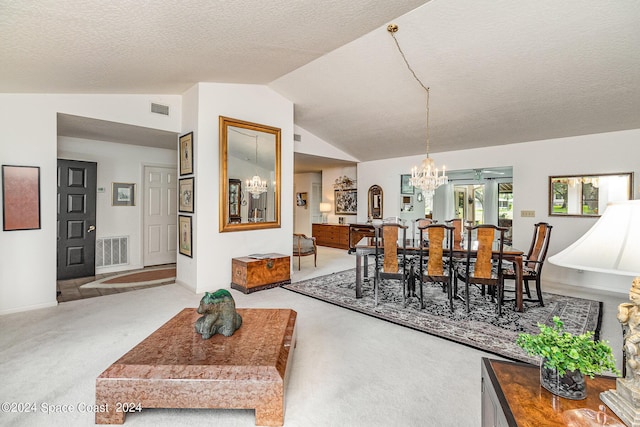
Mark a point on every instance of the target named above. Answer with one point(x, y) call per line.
point(499, 71)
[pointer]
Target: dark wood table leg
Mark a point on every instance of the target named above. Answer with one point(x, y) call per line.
point(517, 263)
point(359, 256)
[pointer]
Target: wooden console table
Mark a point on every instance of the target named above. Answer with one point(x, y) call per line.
point(255, 274)
point(512, 396)
point(175, 368)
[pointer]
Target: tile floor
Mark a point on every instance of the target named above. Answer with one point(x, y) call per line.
point(71, 290)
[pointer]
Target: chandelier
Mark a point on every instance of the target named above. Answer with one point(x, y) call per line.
point(256, 185)
point(426, 177)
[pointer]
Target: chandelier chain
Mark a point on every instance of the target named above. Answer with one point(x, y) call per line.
point(392, 31)
point(426, 177)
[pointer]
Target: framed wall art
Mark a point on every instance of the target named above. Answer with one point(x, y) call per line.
point(346, 202)
point(405, 185)
point(123, 194)
point(301, 199)
point(186, 154)
point(186, 195)
point(20, 197)
point(185, 239)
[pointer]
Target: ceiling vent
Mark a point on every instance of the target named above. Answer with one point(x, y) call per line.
point(297, 137)
point(160, 109)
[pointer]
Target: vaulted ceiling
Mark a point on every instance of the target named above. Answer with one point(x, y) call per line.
point(499, 71)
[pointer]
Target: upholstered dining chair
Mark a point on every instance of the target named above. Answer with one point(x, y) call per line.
point(304, 246)
point(438, 267)
point(483, 264)
point(391, 258)
point(532, 262)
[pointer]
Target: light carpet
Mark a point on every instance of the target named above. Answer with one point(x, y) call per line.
point(481, 328)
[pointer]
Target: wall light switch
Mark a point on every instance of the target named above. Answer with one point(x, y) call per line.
point(528, 214)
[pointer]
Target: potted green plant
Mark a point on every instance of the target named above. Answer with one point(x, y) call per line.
point(567, 358)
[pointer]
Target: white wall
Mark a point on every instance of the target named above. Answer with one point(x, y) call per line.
point(118, 163)
point(303, 214)
point(533, 163)
point(210, 269)
point(28, 122)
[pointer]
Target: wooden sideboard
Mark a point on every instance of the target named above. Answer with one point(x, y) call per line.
point(332, 235)
point(512, 396)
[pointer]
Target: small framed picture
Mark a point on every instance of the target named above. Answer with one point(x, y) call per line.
point(20, 198)
point(186, 195)
point(185, 235)
point(405, 185)
point(301, 199)
point(123, 194)
point(186, 154)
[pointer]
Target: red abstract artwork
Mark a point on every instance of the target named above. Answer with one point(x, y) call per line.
point(21, 197)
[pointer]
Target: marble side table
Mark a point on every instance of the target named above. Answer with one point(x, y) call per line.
point(175, 368)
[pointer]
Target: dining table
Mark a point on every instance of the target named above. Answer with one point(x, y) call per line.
point(366, 247)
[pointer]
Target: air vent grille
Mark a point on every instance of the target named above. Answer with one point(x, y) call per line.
point(297, 137)
point(112, 251)
point(160, 109)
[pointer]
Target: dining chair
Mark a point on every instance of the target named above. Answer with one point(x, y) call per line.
point(391, 260)
point(435, 247)
point(483, 263)
point(532, 262)
point(420, 222)
point(304, 246)
point(456, 223)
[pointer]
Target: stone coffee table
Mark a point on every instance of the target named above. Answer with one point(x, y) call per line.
point(175, 368)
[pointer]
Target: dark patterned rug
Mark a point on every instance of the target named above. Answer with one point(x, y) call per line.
point(480, 329)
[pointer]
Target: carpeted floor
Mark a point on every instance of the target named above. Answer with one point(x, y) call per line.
point(481, 328)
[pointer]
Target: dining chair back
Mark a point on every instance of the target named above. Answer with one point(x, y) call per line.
point(533, 261)
point(483, 265)
point(456, 223)
point(435, 247)
point(391, 257)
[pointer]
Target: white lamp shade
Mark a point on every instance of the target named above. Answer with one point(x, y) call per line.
point(325, 207)
point(612, 245)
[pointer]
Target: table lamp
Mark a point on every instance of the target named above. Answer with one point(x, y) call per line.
point(612, 246)
point(325, 208)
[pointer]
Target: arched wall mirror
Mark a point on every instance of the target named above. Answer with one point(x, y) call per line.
point(249, 175)
point(375, 202)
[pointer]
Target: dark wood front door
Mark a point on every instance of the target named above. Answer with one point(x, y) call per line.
point(76, 219)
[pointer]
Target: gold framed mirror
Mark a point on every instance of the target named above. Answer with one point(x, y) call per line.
point(375, 202)
point(249, 175)
point(587, 195)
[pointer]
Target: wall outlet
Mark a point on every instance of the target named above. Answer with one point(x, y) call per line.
point(528, 214)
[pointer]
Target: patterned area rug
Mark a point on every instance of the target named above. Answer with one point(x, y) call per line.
point(142, 278)
point(480, 329)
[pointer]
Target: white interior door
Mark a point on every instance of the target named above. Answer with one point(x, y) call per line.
point(160, 216)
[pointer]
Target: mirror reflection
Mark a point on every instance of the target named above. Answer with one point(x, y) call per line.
point(250, 175)
point(375, 202)
point(587, 195)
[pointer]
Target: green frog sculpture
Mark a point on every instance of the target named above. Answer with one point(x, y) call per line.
point(219, 315)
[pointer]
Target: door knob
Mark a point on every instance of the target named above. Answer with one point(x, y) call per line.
point(91, 228)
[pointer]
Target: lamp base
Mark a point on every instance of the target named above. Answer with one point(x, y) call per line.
point(624, 401)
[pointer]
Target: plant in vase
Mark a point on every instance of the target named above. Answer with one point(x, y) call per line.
point(567, 358)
